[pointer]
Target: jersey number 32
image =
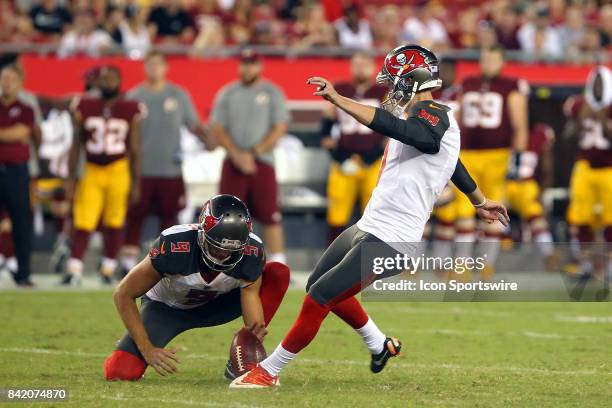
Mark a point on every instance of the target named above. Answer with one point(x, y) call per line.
point(108, 136)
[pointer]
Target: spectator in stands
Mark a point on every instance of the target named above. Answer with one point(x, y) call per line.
point(352, 30)
point(134, 32)
point(210, 37)
point(312, 29)
point(605, 25)
point(202, 10)
point(50, 18)
point(539, 38)
point(14, 26)
point(169, 108)
point(387, 27)
point(466, 36)
point(424, 29)
point(84, 37)
point(487, 36)
point(572, 31)
point(170, 22)
point(268, 29)
point(17, 132)
point(113, 18)
point(506, 23)
point(240, 22)
point(249, 117)
point(591, 48)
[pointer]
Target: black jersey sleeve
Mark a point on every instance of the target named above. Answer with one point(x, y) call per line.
point(252, 263)
point(423, 129)
point(462, 179)
point(175, 251)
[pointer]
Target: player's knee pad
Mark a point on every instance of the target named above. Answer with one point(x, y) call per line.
point(123, 366)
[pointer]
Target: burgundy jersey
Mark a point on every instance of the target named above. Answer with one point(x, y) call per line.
point(485, 119)
point(593, 145)
point(448, 96)
point(541, 138)
point(11, 115)
point(106, 128)
point(356, 138)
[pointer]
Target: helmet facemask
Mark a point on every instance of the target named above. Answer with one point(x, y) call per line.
point(219, 257)
point(401, 92)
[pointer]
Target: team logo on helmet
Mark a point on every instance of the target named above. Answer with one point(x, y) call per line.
point(404, 65)
point(207, 218)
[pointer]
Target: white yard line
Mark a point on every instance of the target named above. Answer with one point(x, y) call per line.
point(443, 366)
point(584, 319)
point(157, 401)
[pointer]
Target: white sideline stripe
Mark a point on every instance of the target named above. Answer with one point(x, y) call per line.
point(584, 319)
point(345, 362)
point(120, 397)
point(371, 306)
point(525, 333)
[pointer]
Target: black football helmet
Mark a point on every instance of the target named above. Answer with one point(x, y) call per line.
point(224, 226)
point(407, 70)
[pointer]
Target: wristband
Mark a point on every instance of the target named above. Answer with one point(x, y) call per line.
point(481, 204)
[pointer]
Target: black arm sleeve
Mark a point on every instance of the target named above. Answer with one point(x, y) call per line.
point(412, 131)
point(326, 126)
point(462, 179)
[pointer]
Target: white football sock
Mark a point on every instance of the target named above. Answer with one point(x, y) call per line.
point(278, 257)
point(277, 360)
point(373, 338)
point(11, 264)
point(129, 262)
point(75, 267)
point(544, 240)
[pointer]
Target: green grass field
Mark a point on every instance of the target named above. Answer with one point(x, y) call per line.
point(455, 354)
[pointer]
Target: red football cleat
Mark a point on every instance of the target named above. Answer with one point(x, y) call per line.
point(256, 378)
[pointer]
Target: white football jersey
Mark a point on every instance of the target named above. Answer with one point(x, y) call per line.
point(409, 184)
point(187, 292)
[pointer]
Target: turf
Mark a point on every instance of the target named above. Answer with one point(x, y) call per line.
point(468, 354)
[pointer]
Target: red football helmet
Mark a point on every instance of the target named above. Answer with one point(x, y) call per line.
point(407, 70)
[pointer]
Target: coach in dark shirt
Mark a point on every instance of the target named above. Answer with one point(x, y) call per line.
point(17, 131)
point(50, 18)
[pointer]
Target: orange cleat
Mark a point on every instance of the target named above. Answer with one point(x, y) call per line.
point(256, 378)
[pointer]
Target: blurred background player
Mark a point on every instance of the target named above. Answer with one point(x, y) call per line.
point(107, 128)
point(523, 191)
point(444, 210)
point(355, 149)
point(169, 107)
point(8, 260)
point(18, 131)
point(494, 122)
point(249, 116)
point(591, 181)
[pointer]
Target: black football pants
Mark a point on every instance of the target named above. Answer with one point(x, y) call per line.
point(346, 267)
point(163, 323)
point(15, 197)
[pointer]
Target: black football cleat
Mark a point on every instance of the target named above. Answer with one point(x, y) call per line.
point(228, 374)
point(71, 280)
point(391, 348)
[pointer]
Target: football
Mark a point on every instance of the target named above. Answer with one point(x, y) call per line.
point(246, 351)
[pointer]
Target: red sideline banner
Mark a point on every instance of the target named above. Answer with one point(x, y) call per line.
point(50, 76)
